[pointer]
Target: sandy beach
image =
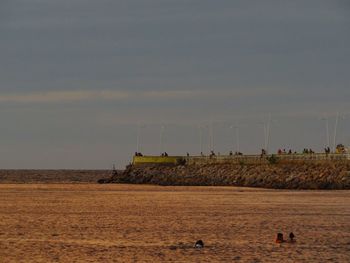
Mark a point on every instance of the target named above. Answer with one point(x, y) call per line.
point(137, 223)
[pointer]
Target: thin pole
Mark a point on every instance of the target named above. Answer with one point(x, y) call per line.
point(327, 140)
point(335, 131)
point(161, 138)
point(327, 132)
point(233, 137)
point(268, 133)
point(209, 140)
point(211, 137)
point(265, 137)
point(235, 130)
point(237, 138)
point(138, 139)
point(200, 139)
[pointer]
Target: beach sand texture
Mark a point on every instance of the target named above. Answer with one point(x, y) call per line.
point(137, 223)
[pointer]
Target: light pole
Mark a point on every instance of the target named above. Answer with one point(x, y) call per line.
point(267, 132)
point(338, 116)
point(211, 137)
point(335, 131)
point(138, 139)
point(236, 134)
point(200, 139)
point(138, 135)
point(162, 128)
point(327, 131)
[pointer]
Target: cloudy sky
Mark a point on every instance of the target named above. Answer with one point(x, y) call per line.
point(78, 77)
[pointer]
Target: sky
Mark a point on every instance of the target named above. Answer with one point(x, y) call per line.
point(79, 80)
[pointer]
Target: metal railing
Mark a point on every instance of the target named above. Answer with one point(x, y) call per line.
point(266, 158)
point(237, 159)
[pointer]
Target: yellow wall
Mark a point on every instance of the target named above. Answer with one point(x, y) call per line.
point(155, 159)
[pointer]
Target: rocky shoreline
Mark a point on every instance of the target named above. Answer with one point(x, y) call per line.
point(288, 175)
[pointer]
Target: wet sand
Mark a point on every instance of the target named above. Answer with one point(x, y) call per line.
point(137, 223)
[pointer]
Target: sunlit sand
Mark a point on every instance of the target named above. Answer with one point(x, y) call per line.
point(135, 223)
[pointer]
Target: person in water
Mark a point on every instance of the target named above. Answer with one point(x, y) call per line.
point(279, 238)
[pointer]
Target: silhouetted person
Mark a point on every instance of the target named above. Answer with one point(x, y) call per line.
point(291, 237)
point(279, 238)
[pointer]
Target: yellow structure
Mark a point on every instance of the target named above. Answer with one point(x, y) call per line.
point(340, 149)
point(157, 160)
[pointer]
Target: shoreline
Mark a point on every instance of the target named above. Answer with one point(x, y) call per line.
point(317, 175)
point(58, 176)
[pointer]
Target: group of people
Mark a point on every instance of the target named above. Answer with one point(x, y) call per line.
point(280, 151)
point(212, 154)
point(327, 150)
point(236, 153)
point(280, 239)
point(305, 151)
point(308, 151)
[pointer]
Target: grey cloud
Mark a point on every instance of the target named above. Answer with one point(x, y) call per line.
point(63, 96)
point(99, 67)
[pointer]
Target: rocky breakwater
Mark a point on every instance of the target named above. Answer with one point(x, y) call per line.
point(288, 175)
